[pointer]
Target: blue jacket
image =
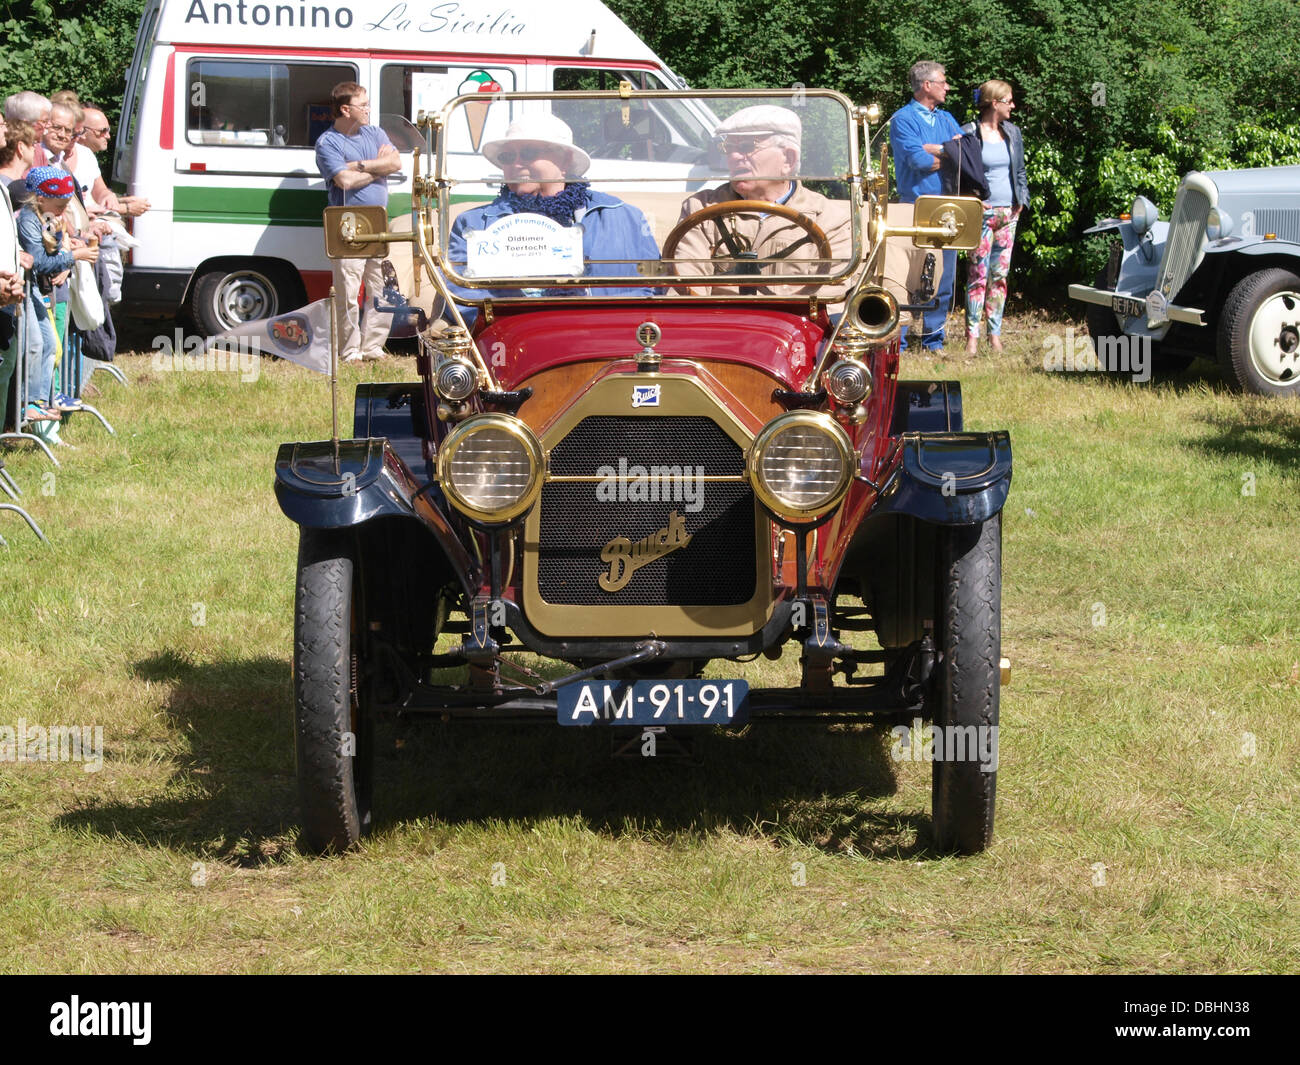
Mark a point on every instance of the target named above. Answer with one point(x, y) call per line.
point(1016, 146)
point(611, 229)
point(911, 126)
point(29, 239)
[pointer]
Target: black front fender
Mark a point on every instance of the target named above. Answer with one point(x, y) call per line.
point(369, 481)
point(950, 478)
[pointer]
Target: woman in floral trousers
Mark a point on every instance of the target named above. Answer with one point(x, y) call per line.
point(1003, 152)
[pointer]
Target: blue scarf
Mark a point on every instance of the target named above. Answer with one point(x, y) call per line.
point(560, 207)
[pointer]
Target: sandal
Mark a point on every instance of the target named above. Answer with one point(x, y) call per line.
point(37, 413)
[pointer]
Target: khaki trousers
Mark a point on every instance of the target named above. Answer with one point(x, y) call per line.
point(368, 336)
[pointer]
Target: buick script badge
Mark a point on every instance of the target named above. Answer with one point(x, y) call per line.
point(625, 557)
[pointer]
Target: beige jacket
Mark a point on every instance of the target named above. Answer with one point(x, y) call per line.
point(768, 235)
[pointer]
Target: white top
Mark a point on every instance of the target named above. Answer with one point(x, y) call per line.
point(85, 170)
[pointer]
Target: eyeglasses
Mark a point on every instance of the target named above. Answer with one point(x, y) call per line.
point(745, 145)
point(524, 155)
point(359, 107)
point(97, 132)
point(60, 129)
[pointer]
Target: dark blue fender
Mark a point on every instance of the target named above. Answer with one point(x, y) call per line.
point(371, 482)
point(949, 478)
point(926, 407)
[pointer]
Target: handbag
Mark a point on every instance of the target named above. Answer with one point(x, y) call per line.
point(84, 300)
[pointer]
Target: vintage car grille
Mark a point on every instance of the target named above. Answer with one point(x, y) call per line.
point(1285, 222)
point(717, 567)
point(1185, 240)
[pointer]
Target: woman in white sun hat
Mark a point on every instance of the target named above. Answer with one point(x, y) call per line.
point(541, 163)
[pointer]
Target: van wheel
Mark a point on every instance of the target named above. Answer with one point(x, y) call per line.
point(224, 299)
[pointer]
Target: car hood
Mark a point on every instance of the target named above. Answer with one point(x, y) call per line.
point(773, 337)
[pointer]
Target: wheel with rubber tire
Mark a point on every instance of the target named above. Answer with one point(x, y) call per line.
point(332, 729)
point(1259, 333)
point(966, 685)
point(225, 298)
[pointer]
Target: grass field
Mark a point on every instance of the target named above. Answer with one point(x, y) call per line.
point(1150, 741)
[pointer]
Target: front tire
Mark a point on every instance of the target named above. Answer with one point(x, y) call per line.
point(1259, 333)
point(331, 726)
point(966, 685)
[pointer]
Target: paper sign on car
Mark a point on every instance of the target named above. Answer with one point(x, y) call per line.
point(524, 245)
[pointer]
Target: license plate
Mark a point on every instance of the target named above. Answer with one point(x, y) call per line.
point(1128, 308)
point(654, 702)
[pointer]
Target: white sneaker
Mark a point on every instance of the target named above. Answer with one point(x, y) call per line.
point(375, 356)
point(353, 359)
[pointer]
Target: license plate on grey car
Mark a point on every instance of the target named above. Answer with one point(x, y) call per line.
point(1126, 307)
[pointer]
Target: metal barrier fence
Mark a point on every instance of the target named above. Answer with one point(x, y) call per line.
point(74, 372)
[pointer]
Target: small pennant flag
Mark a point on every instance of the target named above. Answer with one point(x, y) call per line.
point(301, 336)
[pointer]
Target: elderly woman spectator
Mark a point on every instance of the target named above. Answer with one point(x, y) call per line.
point(1002, 151)
point(541, 164)
point(28, 106)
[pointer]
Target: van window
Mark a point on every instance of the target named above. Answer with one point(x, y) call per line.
point(659, 130)
point(242, 102)
point(405, 90)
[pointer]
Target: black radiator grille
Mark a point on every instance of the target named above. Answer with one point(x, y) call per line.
point(717, 567)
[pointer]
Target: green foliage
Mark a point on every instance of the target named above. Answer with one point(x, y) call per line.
point(1115, 97)
point(69, 44)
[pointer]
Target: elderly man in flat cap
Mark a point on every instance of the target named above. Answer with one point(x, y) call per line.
point(761, 146)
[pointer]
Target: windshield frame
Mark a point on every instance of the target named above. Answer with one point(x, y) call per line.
point(664, 284)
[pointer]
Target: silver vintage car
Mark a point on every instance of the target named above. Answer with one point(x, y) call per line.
point(1220, 279)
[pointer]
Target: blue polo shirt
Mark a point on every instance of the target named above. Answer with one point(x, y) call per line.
point(911, 126)
point(334, 151)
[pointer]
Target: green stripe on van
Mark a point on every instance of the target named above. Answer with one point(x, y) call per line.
point(225, 206)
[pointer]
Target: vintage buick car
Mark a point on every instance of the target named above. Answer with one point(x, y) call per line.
point(700, 455)
point(1220, 278)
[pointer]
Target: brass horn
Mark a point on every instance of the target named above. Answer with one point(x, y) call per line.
point(874, 311)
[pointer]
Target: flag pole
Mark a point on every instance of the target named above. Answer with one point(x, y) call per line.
point(334, 377)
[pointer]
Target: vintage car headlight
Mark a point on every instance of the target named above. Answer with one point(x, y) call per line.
point(456, 379)
point(490, 467)
point(801, 465)
point(849, 381)
point(1144, 215)
point(1218, 223)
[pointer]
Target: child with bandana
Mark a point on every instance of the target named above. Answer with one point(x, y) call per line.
point(41, 235)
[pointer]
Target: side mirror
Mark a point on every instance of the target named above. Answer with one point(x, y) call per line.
point(963, 216)
point(348, 232)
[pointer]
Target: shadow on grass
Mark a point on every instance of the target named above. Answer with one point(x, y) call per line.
point(1267, 430)
point(232, 794)
point(801, 783)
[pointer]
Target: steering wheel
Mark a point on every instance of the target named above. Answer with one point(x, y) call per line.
point(735, 243)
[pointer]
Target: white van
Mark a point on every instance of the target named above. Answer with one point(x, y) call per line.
point(224, 102)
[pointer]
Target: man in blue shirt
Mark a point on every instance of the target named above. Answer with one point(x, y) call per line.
point(917, 131)
point(355, 159)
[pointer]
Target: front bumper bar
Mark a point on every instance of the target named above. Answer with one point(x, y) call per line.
point(1105, 298)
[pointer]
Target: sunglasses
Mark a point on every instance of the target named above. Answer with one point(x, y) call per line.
point(744, 145)
point(524, 155)
point(97, 132)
